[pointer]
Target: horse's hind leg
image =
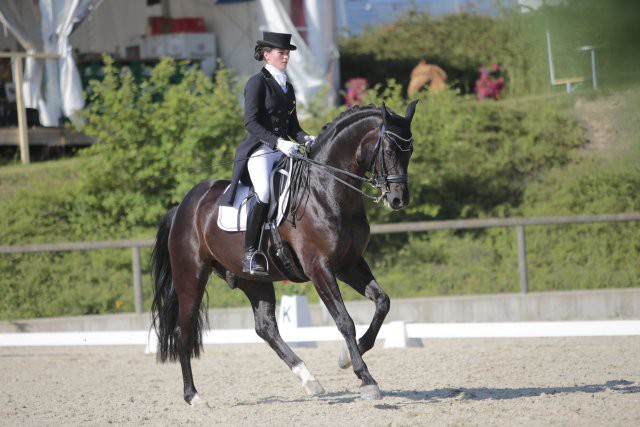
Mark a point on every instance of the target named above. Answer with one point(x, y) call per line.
point(360, 278)
point(263, 303)
point(190, 284)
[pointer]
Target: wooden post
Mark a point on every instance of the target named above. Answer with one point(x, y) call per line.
point(137, 279)
point(23, 135)
point(522, 260)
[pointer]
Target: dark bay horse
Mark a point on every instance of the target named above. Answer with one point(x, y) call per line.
point(329, 238)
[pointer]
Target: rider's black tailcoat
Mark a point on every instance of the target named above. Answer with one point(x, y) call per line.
point(269, 114)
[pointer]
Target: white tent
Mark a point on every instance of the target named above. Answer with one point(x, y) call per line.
point(53, 86)
point(314, 64)
point(45, 26)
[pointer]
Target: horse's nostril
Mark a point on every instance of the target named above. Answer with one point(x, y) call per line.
point(396, 202)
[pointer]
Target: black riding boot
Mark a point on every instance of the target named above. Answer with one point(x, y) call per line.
point(253, 263)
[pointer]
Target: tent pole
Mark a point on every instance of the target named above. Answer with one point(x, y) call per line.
point(23, 135)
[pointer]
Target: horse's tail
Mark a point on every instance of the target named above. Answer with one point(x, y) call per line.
point(165, 301)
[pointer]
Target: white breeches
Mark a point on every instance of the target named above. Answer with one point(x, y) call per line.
point(260, 165)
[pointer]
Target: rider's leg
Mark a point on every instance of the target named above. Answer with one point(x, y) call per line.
point(260, 165)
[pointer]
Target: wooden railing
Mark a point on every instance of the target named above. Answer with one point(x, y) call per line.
point(406, 227)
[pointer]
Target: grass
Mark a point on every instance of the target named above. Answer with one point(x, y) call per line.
point(16, 177)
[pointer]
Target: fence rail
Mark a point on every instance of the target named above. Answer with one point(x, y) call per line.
point(406, 227)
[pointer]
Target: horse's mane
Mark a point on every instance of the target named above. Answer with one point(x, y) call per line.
point(345, 119)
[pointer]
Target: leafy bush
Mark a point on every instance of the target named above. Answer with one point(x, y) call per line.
point(457, 43)
point(474, 159)
point(588, 256)
point(460, 43)
point(560, 257)
point(41, 209)
point(157, 139)
point(471, 159)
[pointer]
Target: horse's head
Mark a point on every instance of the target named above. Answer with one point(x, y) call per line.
point(390, 162)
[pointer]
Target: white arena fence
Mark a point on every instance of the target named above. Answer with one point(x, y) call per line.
point(299, 331)
point(397, 334)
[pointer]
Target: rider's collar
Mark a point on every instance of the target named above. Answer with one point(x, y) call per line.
point(274, 71)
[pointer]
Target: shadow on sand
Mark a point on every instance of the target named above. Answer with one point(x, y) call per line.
point(617, 386)
point(437, 395)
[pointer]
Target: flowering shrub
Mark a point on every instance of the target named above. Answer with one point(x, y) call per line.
point(490, 83)
point(356, 91)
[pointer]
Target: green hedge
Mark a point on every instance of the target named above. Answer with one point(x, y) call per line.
point(157, 138)
point(471, 159)
point(560, 257)
point(475, 159)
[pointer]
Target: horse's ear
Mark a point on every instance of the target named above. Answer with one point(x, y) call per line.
point(411, 109)
point(385, 114)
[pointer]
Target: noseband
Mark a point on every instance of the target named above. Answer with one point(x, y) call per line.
point(381, 179)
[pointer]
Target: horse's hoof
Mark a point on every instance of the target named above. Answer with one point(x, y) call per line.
point(313, 388)
point(370, 392)
point(198, 402)
point(344, 359)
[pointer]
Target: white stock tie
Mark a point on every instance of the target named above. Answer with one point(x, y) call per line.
point(282, 81)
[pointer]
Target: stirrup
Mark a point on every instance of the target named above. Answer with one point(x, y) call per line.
point(251, 268)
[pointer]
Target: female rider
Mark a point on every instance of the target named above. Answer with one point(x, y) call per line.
point(271, 120)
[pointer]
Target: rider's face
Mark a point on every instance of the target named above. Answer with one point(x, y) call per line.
point(278, 58)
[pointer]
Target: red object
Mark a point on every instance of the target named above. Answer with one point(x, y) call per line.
point(298, 19)
point(187, 25)
point(159, 25)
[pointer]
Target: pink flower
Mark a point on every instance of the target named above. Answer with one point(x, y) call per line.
point(356, 91)
point(490, 83)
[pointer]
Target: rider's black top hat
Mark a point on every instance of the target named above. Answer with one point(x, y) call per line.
point(277, 40)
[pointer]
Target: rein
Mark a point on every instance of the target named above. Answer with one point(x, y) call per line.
point(379, 181)
point(328, 169)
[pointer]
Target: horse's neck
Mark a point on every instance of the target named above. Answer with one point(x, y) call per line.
point(343, 154)
point(346, 150)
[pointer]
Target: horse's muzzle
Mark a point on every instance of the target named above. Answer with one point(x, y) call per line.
point(398, 196)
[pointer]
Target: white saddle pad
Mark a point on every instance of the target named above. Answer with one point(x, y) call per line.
point(228, 219)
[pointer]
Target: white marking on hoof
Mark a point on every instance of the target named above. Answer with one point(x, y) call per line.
point(370, 392)
point(344, 359)
point(310, 385)
point(198, 402)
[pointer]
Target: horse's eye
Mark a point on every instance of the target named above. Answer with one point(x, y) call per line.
point(388, 152)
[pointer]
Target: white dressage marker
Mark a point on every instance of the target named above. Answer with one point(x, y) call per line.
point(293, 315)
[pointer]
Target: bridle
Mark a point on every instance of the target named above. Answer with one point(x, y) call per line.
point(380, 179)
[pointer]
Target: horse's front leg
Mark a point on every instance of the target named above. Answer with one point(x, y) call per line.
point(263, 302)
point(327, 287)
point(360, 278)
